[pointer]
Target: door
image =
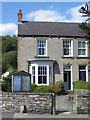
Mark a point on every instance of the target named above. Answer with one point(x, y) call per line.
point(67, 80)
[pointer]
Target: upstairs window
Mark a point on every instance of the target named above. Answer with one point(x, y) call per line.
point(67, 48)
point(41, 47)
point(82, 48)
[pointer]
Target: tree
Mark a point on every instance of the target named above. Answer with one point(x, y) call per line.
point(9, 43)
point(9, 60)
point(86, 28)
point(9, 52)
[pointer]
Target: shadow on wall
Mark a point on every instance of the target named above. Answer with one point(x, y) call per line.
point(56, 70)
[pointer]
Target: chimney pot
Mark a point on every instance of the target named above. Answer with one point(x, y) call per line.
point(20, 16)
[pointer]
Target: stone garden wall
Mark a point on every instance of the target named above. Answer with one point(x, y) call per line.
point(81, 104)
point(81, 92)
point(37, 103)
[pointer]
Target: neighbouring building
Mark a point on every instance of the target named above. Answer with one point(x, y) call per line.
point(52, 52)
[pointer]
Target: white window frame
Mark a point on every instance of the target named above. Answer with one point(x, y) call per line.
point(86, 69)
point(70, 48)
point(47, 64)
point(71, 74)
point(44, 48)
point(33, 75)
point(82, 48)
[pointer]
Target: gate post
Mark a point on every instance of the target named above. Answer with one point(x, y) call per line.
point(53, 104)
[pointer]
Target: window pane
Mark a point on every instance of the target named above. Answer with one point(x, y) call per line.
point(83, 44)
point(42, 51)
point(17, 83)
point(82, 75)
point(67, 67)
point(39, 79)
point(66, 51)
point(26, 83)
point(65, 77)
point(79, 52)
point(44, 79)
point(83, 52)
point(82, 67)
point(39, 51)
point(79, 44)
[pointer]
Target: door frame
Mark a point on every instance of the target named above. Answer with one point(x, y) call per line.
point(71, 74)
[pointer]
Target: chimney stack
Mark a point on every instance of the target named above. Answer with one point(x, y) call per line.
point(20, 16)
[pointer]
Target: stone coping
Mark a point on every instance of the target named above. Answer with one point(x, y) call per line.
point(27, 93)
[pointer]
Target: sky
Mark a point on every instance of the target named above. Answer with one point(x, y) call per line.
point(38, 11)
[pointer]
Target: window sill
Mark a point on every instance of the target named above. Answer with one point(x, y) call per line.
point(82, 57)
point(68, 57)
point(42, 57)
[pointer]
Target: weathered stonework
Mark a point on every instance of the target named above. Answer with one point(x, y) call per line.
point(37, 103)
point(81, 104)
point(28, 50)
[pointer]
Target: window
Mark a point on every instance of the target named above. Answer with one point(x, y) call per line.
point(67, 48)
point(82, 73)
point(33, 74)
point(42, 74)
point(82, 48)
point(41, 47)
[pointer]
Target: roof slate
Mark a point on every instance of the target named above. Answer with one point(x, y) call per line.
point(49, 29)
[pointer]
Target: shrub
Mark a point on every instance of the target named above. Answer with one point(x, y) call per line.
point(43, 89)
point(81, 85)
point(33, 87)
point(7, 84)
point(58, 88)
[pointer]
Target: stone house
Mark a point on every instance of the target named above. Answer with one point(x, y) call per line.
point(52, 52)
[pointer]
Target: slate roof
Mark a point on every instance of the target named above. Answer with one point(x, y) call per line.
point(22, 72)
point(49, 29)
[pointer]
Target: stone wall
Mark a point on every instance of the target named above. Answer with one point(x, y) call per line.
point(38, 103)
point(81, 104)
point(81, 92)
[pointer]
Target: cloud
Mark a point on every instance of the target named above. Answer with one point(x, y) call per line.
point(8, 28)
point(45, 15)
point(55, 16)
point(75, 15)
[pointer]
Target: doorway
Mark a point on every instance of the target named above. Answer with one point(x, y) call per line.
point(67, 77)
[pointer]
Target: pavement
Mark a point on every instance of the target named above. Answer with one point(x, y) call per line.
point(29, 115)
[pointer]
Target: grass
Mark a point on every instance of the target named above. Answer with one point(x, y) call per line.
point(81, 85)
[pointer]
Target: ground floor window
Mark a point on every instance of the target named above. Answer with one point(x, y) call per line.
point(33, 74)
point(82, 72)
point(42, 74)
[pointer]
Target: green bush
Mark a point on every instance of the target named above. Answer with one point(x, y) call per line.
point(43, 89)
point(33, 87)
point(81, 85)
point(58, 89)
point(7, 84)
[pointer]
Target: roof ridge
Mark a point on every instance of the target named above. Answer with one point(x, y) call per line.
point(51, 22)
